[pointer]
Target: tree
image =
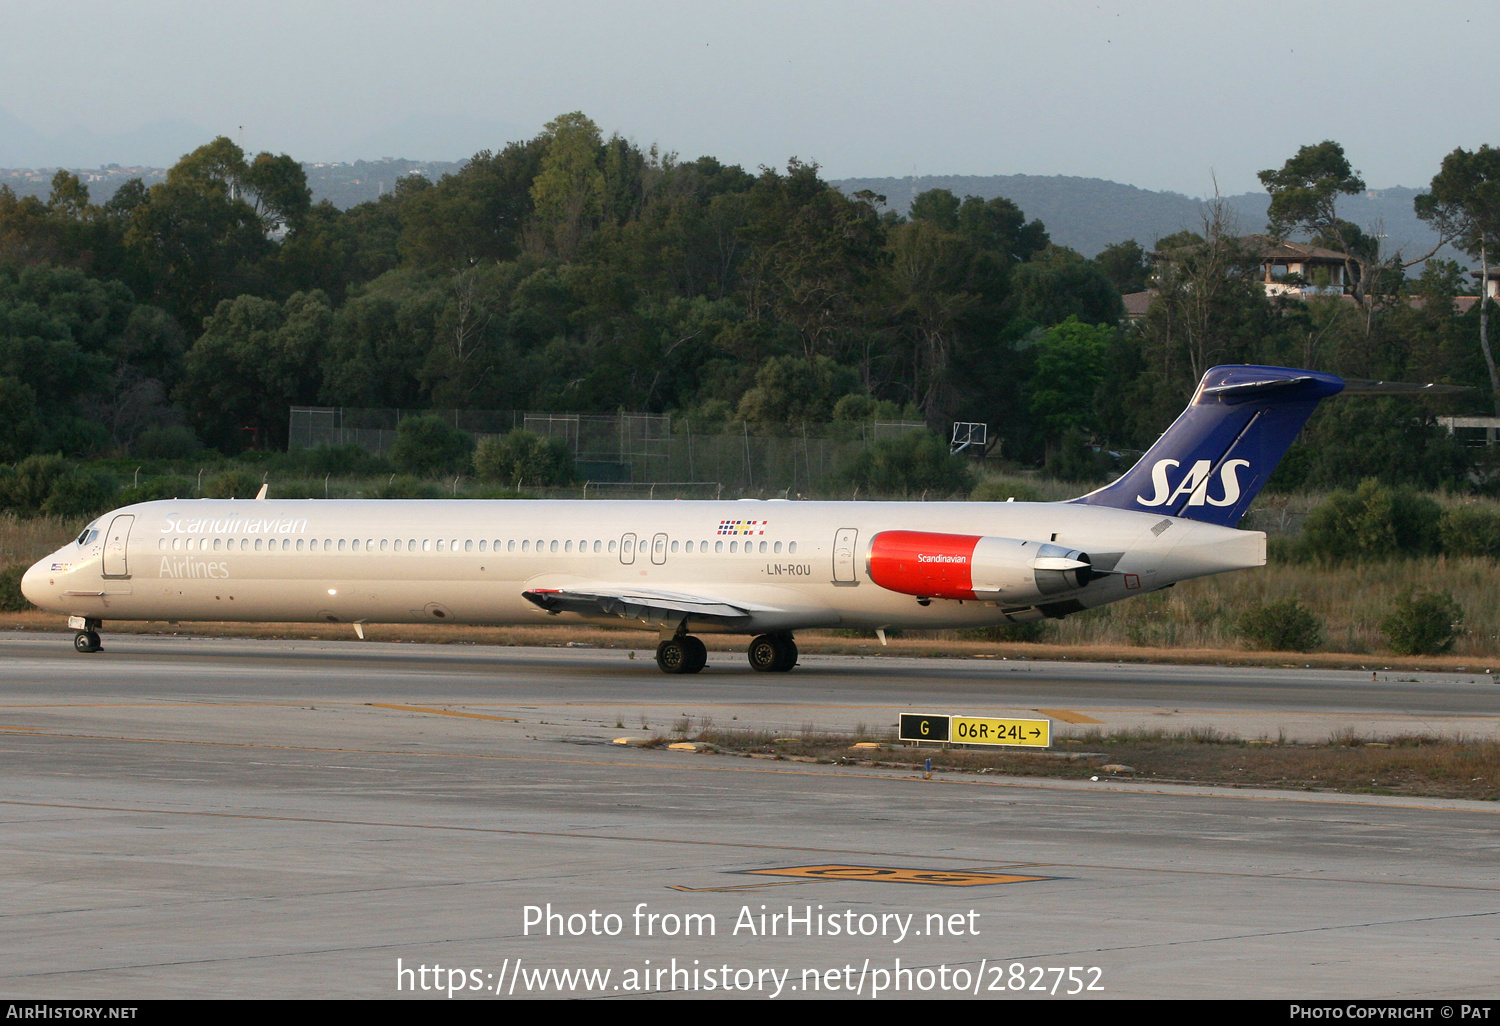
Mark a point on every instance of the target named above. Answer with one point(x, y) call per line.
point(254, 359)
point(927, 272)
point(1304, 196)
point(1464, 205)
point(568, 191)
point(1209, 309)
point(205, 233)
point(1126, 264)
point(1072, 360)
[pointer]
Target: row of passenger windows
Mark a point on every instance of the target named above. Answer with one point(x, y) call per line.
point(626, 548)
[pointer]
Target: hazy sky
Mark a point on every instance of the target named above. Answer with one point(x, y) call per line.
point(1160, 95)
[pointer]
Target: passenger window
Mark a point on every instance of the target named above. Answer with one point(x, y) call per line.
point(763, 548)
point(776, 547)
point(596, 545)
point(792, 547)
point(343, 544)
point(384, 544)
point(258, 543)
point(553, 546)
point(567, 546)
point(427, 545)
point(674, 546)
point(734, 546)
point(611, 545)
point(468, 544)
point(483, 542)
point(440, 545)
point(689, 546)
point(354, 545)
point(510, 546)
point(718, 546)
point(526, 545)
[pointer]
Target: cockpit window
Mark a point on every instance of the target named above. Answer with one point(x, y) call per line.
point(88, 535)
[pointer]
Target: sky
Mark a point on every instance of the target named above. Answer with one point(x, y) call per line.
point(1189, 97)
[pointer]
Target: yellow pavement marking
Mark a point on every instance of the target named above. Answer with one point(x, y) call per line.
point(1068, 716)
point(441, 712)
point(899, 874)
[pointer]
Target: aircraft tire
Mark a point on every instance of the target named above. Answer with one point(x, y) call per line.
point(87, 641)
point(788, 656)
point(764, 653)
point(698, 653)
point(673, 656)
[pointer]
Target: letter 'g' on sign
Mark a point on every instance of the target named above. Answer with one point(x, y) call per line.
point(923, 727)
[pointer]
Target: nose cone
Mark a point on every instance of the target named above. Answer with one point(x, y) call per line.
point(37, 586)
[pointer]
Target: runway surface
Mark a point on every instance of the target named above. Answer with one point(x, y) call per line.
point(211, 818)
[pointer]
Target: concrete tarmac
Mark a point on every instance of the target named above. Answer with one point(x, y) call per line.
point(212, 818)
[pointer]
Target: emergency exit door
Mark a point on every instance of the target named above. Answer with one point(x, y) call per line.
point(844, 572)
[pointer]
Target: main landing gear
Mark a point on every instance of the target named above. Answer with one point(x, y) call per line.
point(685, 654)
point(769, 653)
point(773, 653)
point(86, 633)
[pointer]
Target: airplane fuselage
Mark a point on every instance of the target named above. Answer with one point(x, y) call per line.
point(788, 565)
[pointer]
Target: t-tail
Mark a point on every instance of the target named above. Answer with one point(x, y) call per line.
point(1218, 454)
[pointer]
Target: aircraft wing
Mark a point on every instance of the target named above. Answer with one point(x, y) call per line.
point(641, 604)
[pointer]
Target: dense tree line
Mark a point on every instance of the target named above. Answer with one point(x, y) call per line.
point(577, 272)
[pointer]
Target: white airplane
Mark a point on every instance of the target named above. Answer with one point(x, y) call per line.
point(754, 567)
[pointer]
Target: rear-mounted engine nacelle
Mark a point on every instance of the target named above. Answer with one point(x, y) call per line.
point(965, 566)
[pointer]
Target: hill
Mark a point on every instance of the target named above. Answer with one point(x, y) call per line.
point(1087, 214)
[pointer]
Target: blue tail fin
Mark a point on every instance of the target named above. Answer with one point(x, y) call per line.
point(1215, 458)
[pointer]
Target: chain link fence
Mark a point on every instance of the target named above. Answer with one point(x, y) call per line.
point(622, 453)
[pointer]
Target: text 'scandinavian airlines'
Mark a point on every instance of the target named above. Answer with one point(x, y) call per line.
point(758, 568)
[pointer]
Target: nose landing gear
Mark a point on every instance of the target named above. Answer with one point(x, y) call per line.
point(86, 633)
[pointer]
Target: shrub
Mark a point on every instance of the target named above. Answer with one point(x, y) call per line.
point(1372, 522)
point(1003, 489)
point(430, 445)
point(11, 599)
point(25, 487)
point(232, 484)
point(523, 458)
point(173, 442)
point(1471, 531)
point(1286, 626)
point(1423, 623)
point(1033, 632)
point(150, 489)
point(404, 486)
point(81, 492)
point(915, 462)
point(343, 460)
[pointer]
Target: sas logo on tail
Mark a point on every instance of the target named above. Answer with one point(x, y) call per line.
point(1194, 484)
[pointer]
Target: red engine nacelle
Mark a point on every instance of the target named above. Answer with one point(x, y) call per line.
point(967, 566)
